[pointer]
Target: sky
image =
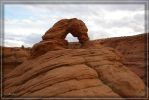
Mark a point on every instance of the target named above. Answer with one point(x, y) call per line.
point(25, 24)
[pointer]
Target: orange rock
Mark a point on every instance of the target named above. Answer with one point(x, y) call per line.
point(91, 70)
point(54, 38)
point(12, 57)
point(74, 72)
point(133, 50)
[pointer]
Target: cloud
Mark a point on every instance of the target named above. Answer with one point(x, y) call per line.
point(25, 24)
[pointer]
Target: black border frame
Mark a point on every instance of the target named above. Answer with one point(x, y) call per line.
point(4, 2)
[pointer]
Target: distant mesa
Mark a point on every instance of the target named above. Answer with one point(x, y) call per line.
point(54, 38)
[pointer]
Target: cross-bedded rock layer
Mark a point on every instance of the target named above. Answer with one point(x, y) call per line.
point(74, 73)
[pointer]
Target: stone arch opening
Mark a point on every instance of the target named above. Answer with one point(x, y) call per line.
point(70, 38)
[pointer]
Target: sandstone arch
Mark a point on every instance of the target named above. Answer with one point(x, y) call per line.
point(54, 38)
point(60, 30)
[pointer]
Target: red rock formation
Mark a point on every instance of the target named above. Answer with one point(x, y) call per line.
point(74, 73)
point(133, 50)
point(12, 57)
point(54, 38)
point(133, 56)
point(91, 71)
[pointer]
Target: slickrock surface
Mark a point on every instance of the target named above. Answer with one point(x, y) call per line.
point(134, 55)
point(133, 50)
point(56, 69)
point(12, 57)
point(80, 72)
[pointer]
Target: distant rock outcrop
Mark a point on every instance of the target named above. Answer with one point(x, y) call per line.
point(54, 38)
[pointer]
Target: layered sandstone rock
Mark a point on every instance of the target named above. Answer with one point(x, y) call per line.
point(54, 70)
point(133, 50)
point(54, 38)
point(81, 72)
point(134, 55)
point(12, 57)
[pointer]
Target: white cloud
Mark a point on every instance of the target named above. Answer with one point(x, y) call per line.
point(25, 24)
point(15, 43)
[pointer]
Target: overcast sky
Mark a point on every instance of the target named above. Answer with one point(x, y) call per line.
point(25, 24)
